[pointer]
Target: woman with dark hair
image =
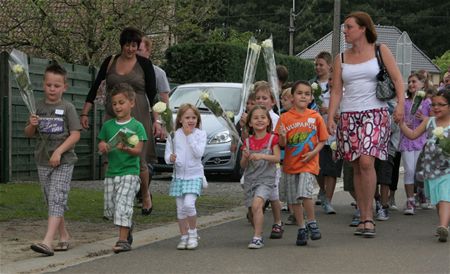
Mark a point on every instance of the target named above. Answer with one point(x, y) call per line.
point(364, 127)
point(128, 67)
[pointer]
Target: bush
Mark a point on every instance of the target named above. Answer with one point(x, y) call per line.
point(221, 62)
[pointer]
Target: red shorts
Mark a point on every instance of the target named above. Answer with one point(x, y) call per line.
point(364, 133)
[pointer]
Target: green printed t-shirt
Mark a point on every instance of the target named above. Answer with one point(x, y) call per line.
point(121, 163)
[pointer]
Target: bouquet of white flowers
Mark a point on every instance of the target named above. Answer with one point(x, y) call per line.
point(253, 51)
point(271, 68)
point(19, 66)
point(417, 100)
point(442, 140)
point(317, 94)
point(226, 118)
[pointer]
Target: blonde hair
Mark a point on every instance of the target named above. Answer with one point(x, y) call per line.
point(264, 86)
point(182, 110)
point(286, 91)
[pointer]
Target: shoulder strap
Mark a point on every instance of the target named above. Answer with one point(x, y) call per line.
point(379, 57)
point(110, 62)
point(269, 144)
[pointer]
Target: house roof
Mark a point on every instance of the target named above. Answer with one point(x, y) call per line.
point(387, 35)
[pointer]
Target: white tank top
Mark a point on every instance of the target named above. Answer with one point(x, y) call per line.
point(359, 86)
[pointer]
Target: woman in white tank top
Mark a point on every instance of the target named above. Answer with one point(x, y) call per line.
point(364, 127)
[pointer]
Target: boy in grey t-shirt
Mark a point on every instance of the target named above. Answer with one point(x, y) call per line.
point(57, 128)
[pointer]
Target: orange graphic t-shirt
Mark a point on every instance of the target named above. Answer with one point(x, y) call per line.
point(303, 132)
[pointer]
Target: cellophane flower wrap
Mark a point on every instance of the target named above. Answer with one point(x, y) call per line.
point(123, 136)
point(226, 118)
point(442, 140)
point(19, 66)
point(271, 68)
point(251, 63)
point(317, 94)
point(417, 100)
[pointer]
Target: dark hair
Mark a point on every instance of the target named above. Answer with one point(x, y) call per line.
point(56, 68)
point(182, 109)
point(420, 77)
point(249, 118)
point(363, 19)
point(444, 93)
point(298, 83)
point(125, 89)
point(282, 73)
point(129, 35)
point(325, 55)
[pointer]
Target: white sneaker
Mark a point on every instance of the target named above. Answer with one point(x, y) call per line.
point(183, 243)
point(192, 242)
point(410, 208)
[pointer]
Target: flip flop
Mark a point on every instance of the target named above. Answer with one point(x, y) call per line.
point(42, 248)
point(62, 246)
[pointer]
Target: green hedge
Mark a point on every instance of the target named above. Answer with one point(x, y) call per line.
point(221, 62)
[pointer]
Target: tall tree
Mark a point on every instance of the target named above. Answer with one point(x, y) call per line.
point(84, 31)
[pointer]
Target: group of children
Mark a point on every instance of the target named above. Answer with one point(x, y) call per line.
point(299, 135)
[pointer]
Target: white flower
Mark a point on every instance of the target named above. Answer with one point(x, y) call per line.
point(133, 140)
point(439, 132)
point(267, 43)
point(204, 96)
point(230, 114)
point(17, 69)
point(255, 47)
point(333, 146)
point(314, 86)
point(421, 93)
point(160, 107)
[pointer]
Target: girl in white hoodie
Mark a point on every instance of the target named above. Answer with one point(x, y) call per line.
point(189, 145)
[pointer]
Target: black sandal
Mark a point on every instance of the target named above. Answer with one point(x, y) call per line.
point(121, 246)
point(369, 232)
point(359, 230)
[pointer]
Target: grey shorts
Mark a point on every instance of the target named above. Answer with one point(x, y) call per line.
point(298, 186)
point(348, 177)
point(329, 167)
point(384, 170)
point(262, 190)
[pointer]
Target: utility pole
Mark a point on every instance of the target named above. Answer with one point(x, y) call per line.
point(291, 29)
point(336, 38)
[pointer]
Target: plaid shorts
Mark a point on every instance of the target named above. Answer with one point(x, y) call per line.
point(298, 186)
point(55, 184)
point(178, 187)
point(119, 198)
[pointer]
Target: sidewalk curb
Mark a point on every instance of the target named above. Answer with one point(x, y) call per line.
point(101, 249)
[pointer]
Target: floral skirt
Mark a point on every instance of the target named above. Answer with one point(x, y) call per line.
point(364, 133)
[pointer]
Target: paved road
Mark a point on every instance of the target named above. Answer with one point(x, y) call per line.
point(404, 244)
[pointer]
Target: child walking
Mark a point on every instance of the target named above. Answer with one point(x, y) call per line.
point(411, 148)
point(303, 134)
point(436, 164)
point(266, 98)
point(122, 176)
point(189, 145)
point(57, 122)
point(260, 155)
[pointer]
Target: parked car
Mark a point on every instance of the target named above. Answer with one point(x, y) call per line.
point(217, 157)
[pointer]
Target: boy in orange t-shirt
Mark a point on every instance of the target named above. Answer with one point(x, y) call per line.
point(303, 134)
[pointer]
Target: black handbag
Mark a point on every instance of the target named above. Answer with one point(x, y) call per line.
point(385, 88)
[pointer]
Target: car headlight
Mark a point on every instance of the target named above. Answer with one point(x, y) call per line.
point(220, 138)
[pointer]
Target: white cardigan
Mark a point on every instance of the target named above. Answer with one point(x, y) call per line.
point(189, 151)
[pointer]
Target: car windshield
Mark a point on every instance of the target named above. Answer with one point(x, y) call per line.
point(229, 97)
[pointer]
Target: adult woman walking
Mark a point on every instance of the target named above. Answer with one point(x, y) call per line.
point(364, 126)
point(137, 71)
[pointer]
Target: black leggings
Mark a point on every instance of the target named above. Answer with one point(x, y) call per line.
point(396, 171)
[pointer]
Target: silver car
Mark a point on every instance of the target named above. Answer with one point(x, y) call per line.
point(217, 157)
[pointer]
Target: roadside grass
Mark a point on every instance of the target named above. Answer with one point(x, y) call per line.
point(26, 201)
